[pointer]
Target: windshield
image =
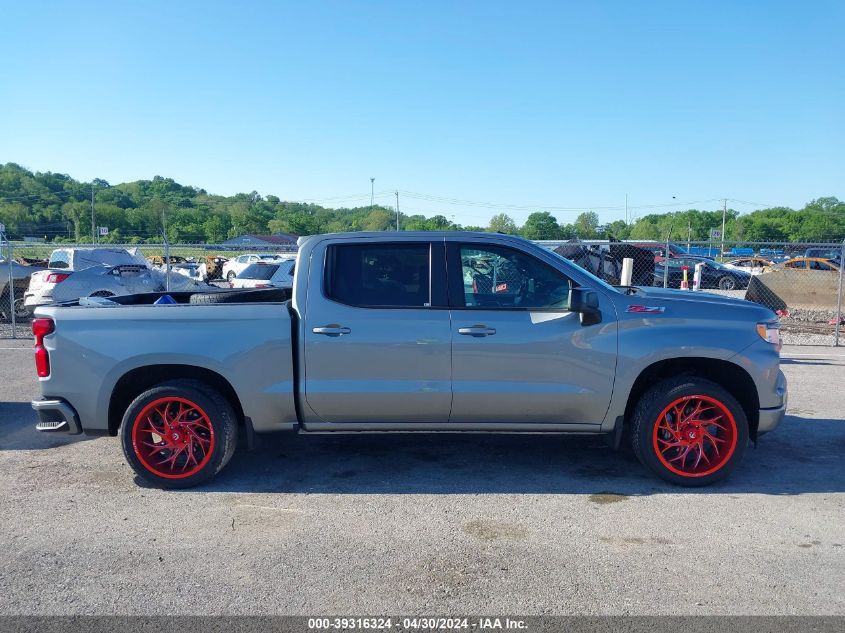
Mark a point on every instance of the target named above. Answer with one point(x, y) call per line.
point(259, 271)
point(592, 277)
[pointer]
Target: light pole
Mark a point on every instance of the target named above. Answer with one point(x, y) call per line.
point(372, 191)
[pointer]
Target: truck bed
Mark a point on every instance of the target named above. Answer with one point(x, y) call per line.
point(247, 345)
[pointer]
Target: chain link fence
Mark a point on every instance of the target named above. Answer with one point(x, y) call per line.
point(802, 283)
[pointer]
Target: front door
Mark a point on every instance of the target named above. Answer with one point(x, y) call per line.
point(377, 339)
point(518, 354)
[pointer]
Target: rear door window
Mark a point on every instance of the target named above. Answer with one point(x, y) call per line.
point(379, 275)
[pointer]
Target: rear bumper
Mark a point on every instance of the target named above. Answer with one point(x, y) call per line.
point(33, 300)
point(772, 417)
point(56, 416)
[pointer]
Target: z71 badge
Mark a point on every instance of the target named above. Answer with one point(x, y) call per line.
point(646, 309)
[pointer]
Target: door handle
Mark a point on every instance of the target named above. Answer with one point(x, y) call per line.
point(332, 330)
point(477, 331)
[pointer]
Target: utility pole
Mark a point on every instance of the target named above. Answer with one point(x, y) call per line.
point(93, 222)
point(689, 234)
point(397, 210)
point(372, 191)
point(724, 213)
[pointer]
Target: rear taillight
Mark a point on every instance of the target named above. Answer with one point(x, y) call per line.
point(57, 278)
point(262, 285)
point(40, 329)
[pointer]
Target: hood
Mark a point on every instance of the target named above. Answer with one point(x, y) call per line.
point(687, 303)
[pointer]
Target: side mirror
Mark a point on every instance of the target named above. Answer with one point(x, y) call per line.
point(586, 303)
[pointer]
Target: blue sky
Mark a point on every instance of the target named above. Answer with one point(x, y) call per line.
point(569, 105)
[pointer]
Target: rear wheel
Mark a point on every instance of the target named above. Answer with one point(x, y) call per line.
point(689, 431)
point(178, 434)
point(727, 283)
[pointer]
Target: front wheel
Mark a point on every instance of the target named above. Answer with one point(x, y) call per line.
point(689, 431)
point(178, 434)
point(230, 276)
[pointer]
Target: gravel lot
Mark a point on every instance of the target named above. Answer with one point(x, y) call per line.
point(426, 524)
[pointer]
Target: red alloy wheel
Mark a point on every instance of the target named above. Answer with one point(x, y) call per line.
point(695, 436)
point(173, 438)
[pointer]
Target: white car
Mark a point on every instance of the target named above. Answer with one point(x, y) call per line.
point(192, 270)
point(97, 272)
point(266, 275)
point(64, 262)
point(753, 265)
point(237, 265)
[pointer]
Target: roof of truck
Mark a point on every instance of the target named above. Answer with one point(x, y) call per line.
point(420, 234)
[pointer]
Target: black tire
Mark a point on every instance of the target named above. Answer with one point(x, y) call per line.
point(230, 276)
point(727, 283)
point(267, 295)
point(647, 415)
point(22, 313)
point(102, 293)
point(219, 414)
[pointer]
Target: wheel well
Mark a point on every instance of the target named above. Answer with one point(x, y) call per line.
point(138, 380)
point(733, 378)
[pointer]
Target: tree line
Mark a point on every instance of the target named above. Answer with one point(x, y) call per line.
point(58, 208)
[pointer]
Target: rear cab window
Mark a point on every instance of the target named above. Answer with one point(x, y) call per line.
point(59, 259)
point(259, 271)
point(393, 275)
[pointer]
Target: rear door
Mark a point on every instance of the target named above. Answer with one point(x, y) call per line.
point(519, 356)
point(376, 335)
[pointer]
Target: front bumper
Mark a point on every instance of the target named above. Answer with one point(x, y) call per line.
point(772, 417)
point(56, 416)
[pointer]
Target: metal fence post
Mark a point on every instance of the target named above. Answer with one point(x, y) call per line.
point(666, 262)
point(12, 314)
point(838, 316)
point(167, 263)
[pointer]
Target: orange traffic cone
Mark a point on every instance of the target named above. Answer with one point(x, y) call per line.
point(685, 282)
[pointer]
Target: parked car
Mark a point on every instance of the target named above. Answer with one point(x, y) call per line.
point(159, 261)
point(831, 254)
point(381, 333)
point(237, 265)
point(810, 263)
point(20, 282)
point(64, 262)
point(266, 275)
point(659, 249)
point(189, 268)
point(753, 265)
point(114, 281)
point(714, 275)
point(213, 266)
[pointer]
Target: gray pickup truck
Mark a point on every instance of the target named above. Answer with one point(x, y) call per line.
point(418, 332)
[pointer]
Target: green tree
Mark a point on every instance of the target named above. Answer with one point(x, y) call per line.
point(586, 225)
point(503, 223)
point(541, 225)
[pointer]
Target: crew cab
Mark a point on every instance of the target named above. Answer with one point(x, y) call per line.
point(422, 332)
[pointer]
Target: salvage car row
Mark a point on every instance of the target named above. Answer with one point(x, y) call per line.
point(73, 273)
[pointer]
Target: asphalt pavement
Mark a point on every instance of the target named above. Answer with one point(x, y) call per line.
point(426, 524)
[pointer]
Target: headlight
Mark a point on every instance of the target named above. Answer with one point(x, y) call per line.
point(769, 332)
